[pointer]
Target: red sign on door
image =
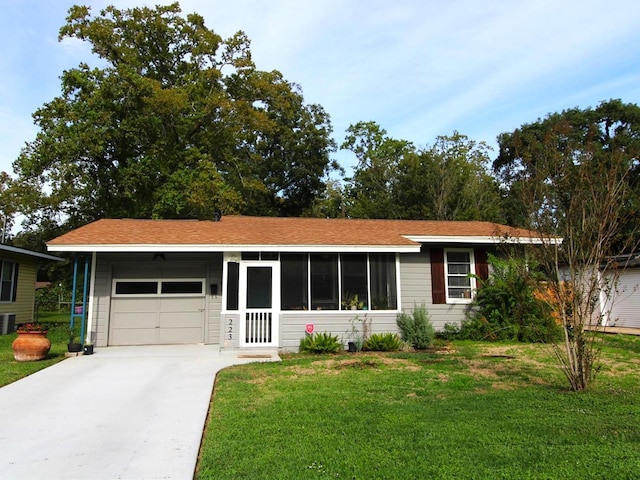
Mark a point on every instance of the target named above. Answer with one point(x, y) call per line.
point(309, 328)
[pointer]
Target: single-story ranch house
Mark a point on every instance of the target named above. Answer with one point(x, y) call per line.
point(246, 282)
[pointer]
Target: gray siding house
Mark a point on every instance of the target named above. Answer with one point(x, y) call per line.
point(255, 282)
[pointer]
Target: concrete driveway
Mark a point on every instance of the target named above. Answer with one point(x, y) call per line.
point(122, 413)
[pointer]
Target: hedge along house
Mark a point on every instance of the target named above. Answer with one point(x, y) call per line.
point(246, 282)
point(18, 273)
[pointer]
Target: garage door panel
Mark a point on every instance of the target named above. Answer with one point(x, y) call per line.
point(128, 320)
point(135, 305)
point(134, 336)
point(180, 335)
point(157, 320)
point(188, 304)
point(181, 320)
point(171, 313)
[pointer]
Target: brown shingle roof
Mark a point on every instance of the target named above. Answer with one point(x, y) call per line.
point(274, 231)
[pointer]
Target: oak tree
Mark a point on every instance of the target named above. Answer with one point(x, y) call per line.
point(171, 121)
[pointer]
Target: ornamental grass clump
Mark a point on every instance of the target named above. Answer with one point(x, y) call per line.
point(320, 343)
point(383, 342)
point(416, 328)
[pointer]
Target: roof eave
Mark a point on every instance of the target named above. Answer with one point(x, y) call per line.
point(30, 253)
point(205, 248)
point(483, 240)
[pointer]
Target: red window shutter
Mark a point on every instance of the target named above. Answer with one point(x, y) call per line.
point(438, 293)
point(482, 268)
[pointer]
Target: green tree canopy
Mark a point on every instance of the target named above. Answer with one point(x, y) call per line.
point(174, 122)
point(392, 179)
point(448, 181)
point(368, 194)
point(572, 170)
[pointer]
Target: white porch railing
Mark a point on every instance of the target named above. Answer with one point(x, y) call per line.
point(259, 328)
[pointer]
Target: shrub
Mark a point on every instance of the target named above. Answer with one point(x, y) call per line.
point(383, 342)
point(451, 331)
point(320, 343)
point(506, 306)
point(416, 328)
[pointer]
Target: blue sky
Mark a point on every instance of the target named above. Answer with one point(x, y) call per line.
point(419, 68)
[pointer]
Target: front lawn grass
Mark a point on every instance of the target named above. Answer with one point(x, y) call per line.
point(10, 370)
point(479, 410)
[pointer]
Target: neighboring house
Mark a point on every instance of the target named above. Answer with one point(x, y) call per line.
point(18, 271)
point(258, 281)
point(621, 308)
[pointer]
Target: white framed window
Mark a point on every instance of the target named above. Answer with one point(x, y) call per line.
point(153, 287)
point(459, 266)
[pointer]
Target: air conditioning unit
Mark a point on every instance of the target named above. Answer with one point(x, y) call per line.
point(8, 321)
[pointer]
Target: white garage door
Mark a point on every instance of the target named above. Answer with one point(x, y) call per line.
point(625, 311)
point(157, 311)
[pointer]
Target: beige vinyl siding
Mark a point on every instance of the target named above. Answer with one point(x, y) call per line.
point(292, 325)
point(230, 331)
point(214, 305)
point(23, 307)
point(415, 289)
point(101, 302)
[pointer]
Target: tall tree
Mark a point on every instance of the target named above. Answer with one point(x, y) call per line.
point(448, 181)
point(368, 194)
point(7, 204)
point(176, 122)
point(575, 174)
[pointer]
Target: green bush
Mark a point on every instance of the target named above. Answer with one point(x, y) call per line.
point(505, 306)
point(320, 343)
point(451, 331)
point(416, 328)
point(383, 342)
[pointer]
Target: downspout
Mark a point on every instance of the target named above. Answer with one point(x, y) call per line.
point(91, 296)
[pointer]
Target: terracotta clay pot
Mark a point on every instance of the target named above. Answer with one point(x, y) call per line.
point(31, 346)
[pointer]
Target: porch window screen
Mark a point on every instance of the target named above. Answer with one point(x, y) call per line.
point(259, 287)
point(294, 281)
point(311, 281)
point(354, 281)
point(324, 281)
point(383, 281)
point(233, 285)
